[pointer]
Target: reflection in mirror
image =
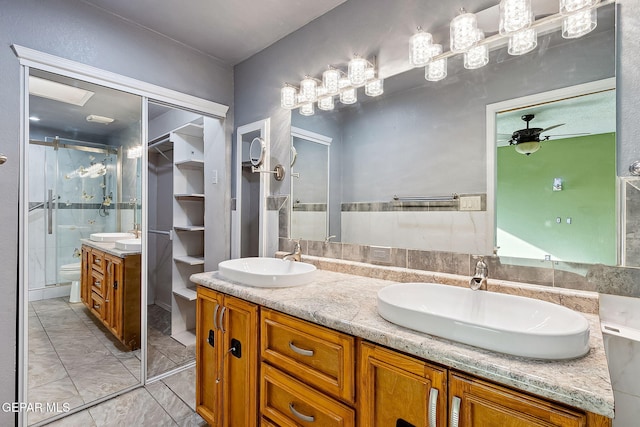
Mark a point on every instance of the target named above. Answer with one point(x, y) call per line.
point(429, 140)
point(559, 201)
point(309, 185)
point(175, 236)
point(84, 296)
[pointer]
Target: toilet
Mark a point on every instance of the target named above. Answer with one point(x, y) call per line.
point(71, 273)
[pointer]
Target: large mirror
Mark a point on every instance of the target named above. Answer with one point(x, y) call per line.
point(84, 187)
point(309, 185)
point(408, 166)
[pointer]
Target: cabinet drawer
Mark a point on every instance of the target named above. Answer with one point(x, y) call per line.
point(290, 403)
point(96, 260)
point(98, 306)
point(266, 423)
point(98, 284)
point(319, 356)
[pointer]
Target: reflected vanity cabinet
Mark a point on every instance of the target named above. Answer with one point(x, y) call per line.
point(226, 360)
point(110, 288)
point(310, 375)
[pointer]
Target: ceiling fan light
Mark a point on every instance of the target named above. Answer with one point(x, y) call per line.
point(528, 147)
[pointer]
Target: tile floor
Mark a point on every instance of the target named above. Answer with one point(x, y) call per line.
point(74, 359)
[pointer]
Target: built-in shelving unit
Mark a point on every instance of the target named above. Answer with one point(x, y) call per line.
point(188, 224)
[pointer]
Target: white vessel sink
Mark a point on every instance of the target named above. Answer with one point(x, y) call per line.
point(504, 323)
point(110, 237)
point(267, 272)
point(129, 244)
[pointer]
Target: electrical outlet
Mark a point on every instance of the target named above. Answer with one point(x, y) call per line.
point(470, 203)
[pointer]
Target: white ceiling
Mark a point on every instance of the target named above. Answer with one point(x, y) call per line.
point(230, 31)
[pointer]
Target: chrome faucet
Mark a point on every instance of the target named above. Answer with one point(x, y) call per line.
point(296, 255)
point(137, 230)
point(479, 279)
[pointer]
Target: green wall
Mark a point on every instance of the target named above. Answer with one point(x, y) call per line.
point(527, 206)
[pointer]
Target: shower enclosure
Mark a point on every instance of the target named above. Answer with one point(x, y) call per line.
point(73, 192)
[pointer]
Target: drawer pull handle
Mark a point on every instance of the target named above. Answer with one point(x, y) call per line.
point(97, 283)
point(300, 351)
point(303, 417)
point(215, 316)
point(96, 306)
point(222, 320)
point(433, 406)
point(455, 411)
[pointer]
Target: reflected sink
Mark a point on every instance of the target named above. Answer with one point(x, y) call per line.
point(266, 272)
point(110, 237)
point(508, 324)
point(129, 244)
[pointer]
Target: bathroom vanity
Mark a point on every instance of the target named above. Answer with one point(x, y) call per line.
point(110, 288)
point(320, 354)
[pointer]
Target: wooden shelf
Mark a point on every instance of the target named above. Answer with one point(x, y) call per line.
point(186, 293)
point(189, 196)
point(189, 227)
point(186, 338)
point(190, 260)
point(190, 164)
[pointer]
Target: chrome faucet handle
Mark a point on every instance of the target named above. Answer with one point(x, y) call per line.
point(328, 239)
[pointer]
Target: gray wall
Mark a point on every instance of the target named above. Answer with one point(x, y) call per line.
point(74, 30)
point(383, 28)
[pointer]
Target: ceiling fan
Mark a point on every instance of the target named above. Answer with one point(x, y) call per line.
point(527, 140)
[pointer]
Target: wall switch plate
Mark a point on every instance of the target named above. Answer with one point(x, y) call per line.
point(470, 203)
point(380, 254)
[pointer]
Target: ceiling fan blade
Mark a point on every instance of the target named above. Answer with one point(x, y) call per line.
point(555, 135)
point(551, 127)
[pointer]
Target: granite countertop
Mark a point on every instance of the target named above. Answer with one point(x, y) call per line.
point(109, 247)
point(347, 303)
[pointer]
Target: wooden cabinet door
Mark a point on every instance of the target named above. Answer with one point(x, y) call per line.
point(398, 390)
point(484, 404)
point(114, 288)
point(208, 305)
point(239, 329)
point(85, 286)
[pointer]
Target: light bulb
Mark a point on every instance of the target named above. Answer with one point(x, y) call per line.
point(515, 15)
point(477, 56)
point(522, 42)
point(308, 89)
point(463, 32)
point(357, 70)
point(288, 97)
point(418, 48)
point(349, 96)
point(307, 109)
point(330, 80)
point(326, 103)
point(579, 23)
point(569, 6)
point(374, 87)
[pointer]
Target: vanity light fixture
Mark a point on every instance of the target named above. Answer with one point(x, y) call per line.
point(335, 82)
point(463, 32)
point(477, 56)
point(515, 16)
point(517, 28)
